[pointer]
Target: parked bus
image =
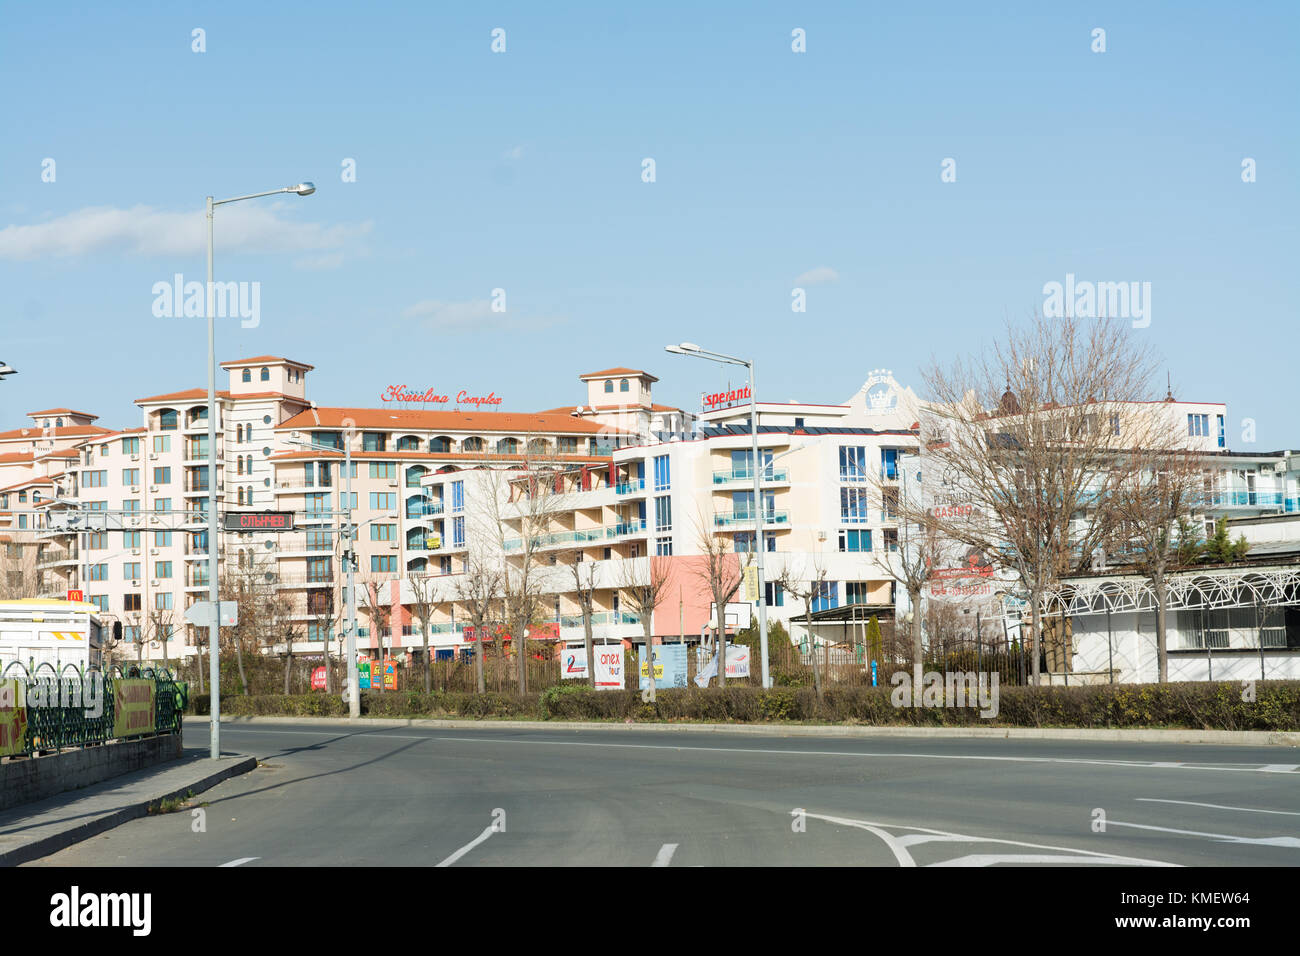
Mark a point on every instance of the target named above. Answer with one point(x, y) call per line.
point(38, 631)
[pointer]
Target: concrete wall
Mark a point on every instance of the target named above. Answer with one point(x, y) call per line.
point(25, 780)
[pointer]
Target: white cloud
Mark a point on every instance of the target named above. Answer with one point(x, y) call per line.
point(820, 274)
point(147, 231)
point(516, 152)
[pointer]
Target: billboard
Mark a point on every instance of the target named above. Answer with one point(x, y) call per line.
point(13, 717)
point(670, 666)
point(134, 707)
point(609, 667)
point(573, 663)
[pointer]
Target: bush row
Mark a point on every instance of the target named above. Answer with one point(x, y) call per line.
point(1202, 706)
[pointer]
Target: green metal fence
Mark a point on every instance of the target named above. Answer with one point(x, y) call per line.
point(55, 710)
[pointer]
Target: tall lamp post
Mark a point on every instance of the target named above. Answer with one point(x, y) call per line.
point(214, 594)
point(689, 348)
point(350, 559)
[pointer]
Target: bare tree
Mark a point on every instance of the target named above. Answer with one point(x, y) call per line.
point(1023, 434)
point(584, 591)
point(912, 565)
point(1160, 488)
point(721, 572)
point(644, 586)
point(19, 577)
point(807, 584)
point(160, 630)
point(426, 601)
point(479, 591)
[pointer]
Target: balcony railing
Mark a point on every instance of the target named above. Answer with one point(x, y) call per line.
point(630, 486)
point(579, 537)
point(746, 474)
point(738, 518)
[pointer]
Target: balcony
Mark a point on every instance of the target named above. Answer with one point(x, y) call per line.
point(52, 557)
point(737, 475)
point(630, 487)
point(742, 519)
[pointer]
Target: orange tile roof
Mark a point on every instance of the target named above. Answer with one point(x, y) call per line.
point(437, 456)
point(30, 482)
point(266, 360)
point(64, 411)
point(451, 421)
point(194, 394)
point(618, 372)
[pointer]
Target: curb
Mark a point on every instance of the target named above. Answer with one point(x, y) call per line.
point(77, 833)
point(1238, 738)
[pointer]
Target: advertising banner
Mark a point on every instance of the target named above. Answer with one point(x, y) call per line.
point(670, 666)
point(737, 665)
point(609, 667)
point(390, 674)
point(318, 678)
point(573, 663)
point(134, 707)
point(13, 717)
point(363, 675)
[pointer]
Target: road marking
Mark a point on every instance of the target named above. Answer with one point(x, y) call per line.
point(665, 854)
point(1217, 806)
point(1019, 859)
point(1280, 767)
point(898, 845)
point(1293, 842)
point(481, 838)
point(241, 861)
point(1095, 762)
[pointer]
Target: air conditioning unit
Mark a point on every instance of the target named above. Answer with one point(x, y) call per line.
point(155, 551)
point(153, 490)
point(155, 584)
point(136, 584)
point(393, 484)
point(135, 490)
point(135, 457)
point(136, 551)
point(821, 536)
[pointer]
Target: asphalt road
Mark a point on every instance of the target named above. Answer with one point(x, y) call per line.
point(332, 796)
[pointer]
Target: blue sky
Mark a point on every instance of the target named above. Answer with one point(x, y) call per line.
point(522, 171)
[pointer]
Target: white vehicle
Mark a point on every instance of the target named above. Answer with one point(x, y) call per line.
point(37, 631)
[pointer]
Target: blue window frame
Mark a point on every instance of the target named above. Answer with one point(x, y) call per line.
point(458, 497)
point(663, 478)
point(458, 531)
point(853, 463)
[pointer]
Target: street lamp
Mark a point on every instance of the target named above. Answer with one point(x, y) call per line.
point(690, 348)
point(354, 680)
point(214, 594)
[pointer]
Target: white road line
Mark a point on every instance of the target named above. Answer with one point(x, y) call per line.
point(1217, 806)
point(1018, 859)
point(1284, 841)
point(1280, 767)
point(242, 860)
point(481, 838)
point(896, 843)
point(665, 854)
point(1127, 764)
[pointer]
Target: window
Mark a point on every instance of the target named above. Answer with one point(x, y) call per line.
point(97, 572)
point(130, 476)
point(167, 420)
point(318, 570)
point(508, 446)
point(331, 439)
point(374, 441)
point(319, 541)
point(889, 463)
point(162, 443)
point(99, 600)
point(609, 389)
point(130, 446)
point(827, 597)
point(773, 594)
point(383, 501)
point(1198, 426)
point(162, 539)
point(745, 542)
point(344, 503)
point(163, 569)
point(409, 443)
point(266, 374)
point(162, 601)
point(383, 532)
point(162, 504)
point(664, 513)
point(458, 532)
point(316, 502)
point(472, 444)
point(97, 541)
point(130, 539)
point(162, 476)
point(130, 602)
point(856, 592)
point(383, 563)
point(664, 546)
point(458, 496)
point(853, 463)
point(622, 386)
point(383, 469)
point(1222, 437)
point(94, 479)
point(567, 445)
point(855, 540)
point(853, 505)
point(662, 475)
point(131, 504)
point(1114, 424)
point(247, 376)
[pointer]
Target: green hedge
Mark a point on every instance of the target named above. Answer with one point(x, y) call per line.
point(1201, 706)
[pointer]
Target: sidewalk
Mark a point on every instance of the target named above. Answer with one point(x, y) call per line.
point(34, 830)
point(1241, 738)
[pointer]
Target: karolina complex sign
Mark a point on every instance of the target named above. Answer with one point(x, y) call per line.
point(716, 400)
point(398, 393)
